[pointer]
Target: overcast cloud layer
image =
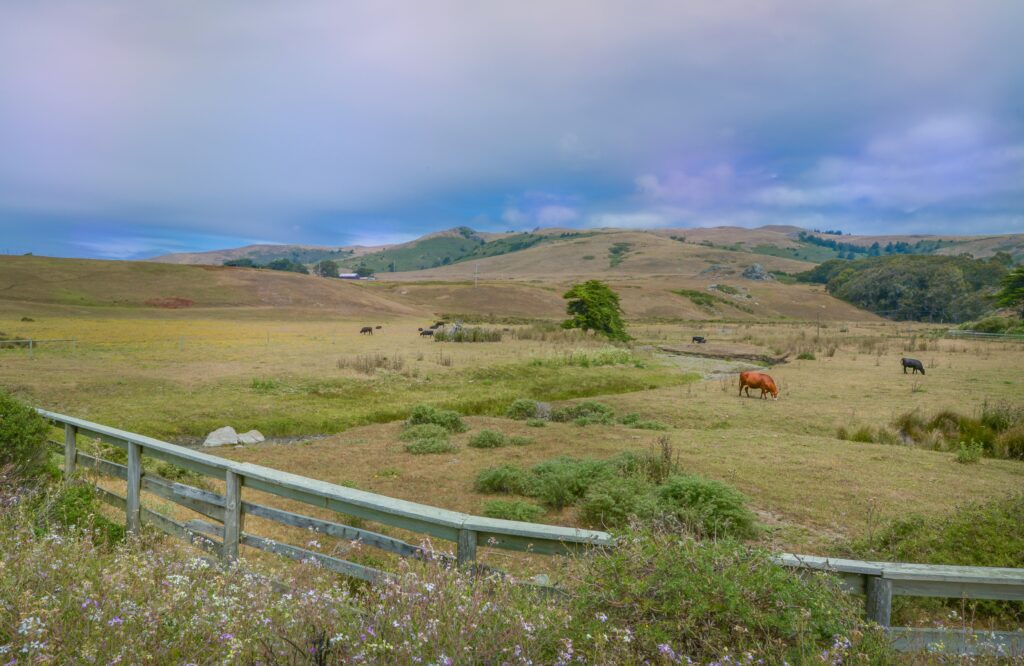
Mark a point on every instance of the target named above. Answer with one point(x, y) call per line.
point(129, 129)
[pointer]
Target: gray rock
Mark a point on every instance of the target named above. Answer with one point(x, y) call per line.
point(543, 410)
point(757, 272)
point(222, 436)
point(251, 437)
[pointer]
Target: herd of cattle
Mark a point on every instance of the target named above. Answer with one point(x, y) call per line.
point(764, 382)
point(748, 380)
point(425, 332)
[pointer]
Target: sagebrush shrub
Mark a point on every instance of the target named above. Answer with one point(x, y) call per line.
point(22, 437)
point(488, 439)
point(431, 445)
point(504, 479)
point(709, 507)
point(423, 431)
point(446, 418)
point(610, 503)
point(522, 409)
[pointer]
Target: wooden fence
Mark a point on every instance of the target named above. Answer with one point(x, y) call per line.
point(978, 335)
point(879, 582)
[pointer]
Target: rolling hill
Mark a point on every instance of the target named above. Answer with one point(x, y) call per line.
point(138, 284)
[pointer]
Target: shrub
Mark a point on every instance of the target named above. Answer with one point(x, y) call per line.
point(522, 409)
point(488, 439)
point(423, 431)
point(562, 481)
point(75, 504)
point(504, 479)
point(979, 534)
point(536, 423)
point(22, 437)
point(692, 596)
point(969, 452)
point(513, 510)
point(520, 440)
point(841, 433)
point(612, 502)
point(446, 418)
point(709, 507)
point(649, 425)
point(630, 419)
point(430, 445)
point(1010, 443)
point(805, 356)
point(593, 412)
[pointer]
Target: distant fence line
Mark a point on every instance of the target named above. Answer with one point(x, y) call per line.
point(978, 335)
point(879, 582)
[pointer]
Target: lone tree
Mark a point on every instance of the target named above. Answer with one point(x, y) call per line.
point(1011, 290)
point(593, 306)
point(362, 270)
point(327, 268)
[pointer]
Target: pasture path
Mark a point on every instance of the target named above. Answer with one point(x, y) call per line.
point(708, 367)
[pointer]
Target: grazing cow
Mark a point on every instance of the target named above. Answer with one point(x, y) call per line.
point(912, 363)
point(426, 332)
point(366, 330)
point(699, 339)
point(758, 380)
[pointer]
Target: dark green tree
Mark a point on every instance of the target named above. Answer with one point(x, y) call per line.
point(245, 262)
point(326, 268)
point(1011, 290)
point(364, 271)
point(593, 306)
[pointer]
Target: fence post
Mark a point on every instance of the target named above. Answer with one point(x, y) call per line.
point(70, 436)
point(879, 601)
point(232, 515)
point(133, 508)
point(466, 552)
point(31, 348)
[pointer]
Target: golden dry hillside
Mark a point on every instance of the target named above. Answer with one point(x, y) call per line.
point(85, 282)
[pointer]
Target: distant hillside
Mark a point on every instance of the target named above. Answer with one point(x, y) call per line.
point(264, 254)
point(138, 284)
point(921, 288)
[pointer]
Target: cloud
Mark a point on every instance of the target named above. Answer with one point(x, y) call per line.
point(239, 120)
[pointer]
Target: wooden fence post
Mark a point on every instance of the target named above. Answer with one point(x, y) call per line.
point(466, 552)
point(879, 600)
point(70, 436)
point(133, 506)
point(232, 515)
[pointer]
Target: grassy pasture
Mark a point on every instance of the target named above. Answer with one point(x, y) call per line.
point(334, 410)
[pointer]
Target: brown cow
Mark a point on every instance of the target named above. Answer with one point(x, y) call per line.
point(758, 380)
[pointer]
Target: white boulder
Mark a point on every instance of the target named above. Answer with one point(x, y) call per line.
point(222, 436)
point(251, 437)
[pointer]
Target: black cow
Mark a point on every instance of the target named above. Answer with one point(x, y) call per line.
point(367, 330)
point(699, 339)
point(379, 327)
point(912, 363)
point(426, 333)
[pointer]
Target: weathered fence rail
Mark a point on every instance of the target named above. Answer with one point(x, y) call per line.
point(879, 582)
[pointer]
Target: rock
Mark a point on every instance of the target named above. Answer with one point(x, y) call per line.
point(757, 272)
point(543, 411)
point(222, 436)
point(251, 437)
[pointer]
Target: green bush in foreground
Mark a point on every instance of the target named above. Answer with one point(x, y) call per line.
point(513, 510)
point(699, 599)
point(432, 445)
point(709, 507)
point(488, 439)
point(22, 437)
point(612, 502)
point(446, 418)
point(504, 479)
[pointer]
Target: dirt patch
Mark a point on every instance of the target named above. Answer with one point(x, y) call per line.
point(170, 303)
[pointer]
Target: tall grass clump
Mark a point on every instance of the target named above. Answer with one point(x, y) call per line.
point(468, 335)
point(368, 364)
point(998, 428)
point(446, 418)
point(591, 358)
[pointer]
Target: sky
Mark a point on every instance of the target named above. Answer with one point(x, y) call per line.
point(130, 129)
